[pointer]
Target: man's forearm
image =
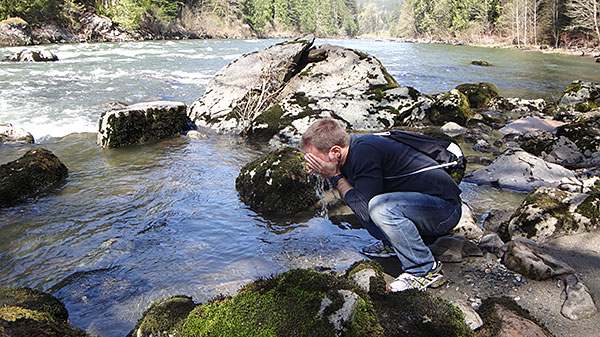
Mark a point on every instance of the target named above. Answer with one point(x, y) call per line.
point(343, 186)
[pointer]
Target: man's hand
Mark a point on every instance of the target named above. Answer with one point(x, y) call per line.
point(317, 165)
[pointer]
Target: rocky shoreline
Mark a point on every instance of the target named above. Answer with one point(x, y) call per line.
point(550, 150)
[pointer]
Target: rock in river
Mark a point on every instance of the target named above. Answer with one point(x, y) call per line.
point(33, 56)
point(13, 135)
point(142, 122)
point(37, 171)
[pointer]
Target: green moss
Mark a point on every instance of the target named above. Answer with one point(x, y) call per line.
point(585, 106)
point(361, 55)
point(481, 63)
point(377, 284)
point(13, 313)
point(164, 318)
point(415, 313)
point(450, 107)
point(573, 87)
point(285, 305)
point(590, 207)
point(34, 300)
point(583, 133)
point(277, 182)
point(491, 322)
point(479, 94)
point(537, 146)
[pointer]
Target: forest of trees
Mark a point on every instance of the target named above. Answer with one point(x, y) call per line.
point(558, 23)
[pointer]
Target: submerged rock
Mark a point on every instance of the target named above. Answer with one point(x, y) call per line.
point(33, 56)
point(479, 94)
point(25, 312)
point(12, 135)
point(519, 170)
point(581, 96)
point(164, 318)
point(551, 212)
point(142, 122)
point(37, 171)
point(277, 183)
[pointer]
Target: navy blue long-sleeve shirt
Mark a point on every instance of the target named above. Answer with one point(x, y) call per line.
point(373, 166)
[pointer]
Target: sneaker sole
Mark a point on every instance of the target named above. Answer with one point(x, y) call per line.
point(378, 255)
point(437, 282)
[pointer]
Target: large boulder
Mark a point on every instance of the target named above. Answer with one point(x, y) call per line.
point(142, 122)
point(524, 107)
point(277, 182)
point(529, 124)
point(32, 56)
point(233, 95)
point(14, 32)
point(479, 94)
point(581, 96)
point(530, 260)
point(13, 135)
point(522, 171)
point(295, 303)
point(164, 318)
point(450, 106)
point(551, 212)
point(37, 171)
point(25, 312)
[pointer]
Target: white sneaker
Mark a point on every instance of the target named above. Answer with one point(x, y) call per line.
point(405, 281)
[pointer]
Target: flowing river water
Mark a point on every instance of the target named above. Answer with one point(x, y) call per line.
point(135, 225)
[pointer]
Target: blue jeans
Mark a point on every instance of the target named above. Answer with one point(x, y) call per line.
point(400, 218)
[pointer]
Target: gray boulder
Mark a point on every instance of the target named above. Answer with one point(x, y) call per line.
point(33, 56)
point(528, 259)
point(467, 227)
point(14, 32)
point(142, 122)
point(35, 172)
point(491, 243)
point(479, 94)
point(454, 248)
point(581, 96)
point(528, 124)
point(519, 170)
point(233, 95)
point(13, 135)
point(518, 105)
point(549, 212)
point(579, 303)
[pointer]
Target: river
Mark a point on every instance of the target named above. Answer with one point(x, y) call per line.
point(134, 225)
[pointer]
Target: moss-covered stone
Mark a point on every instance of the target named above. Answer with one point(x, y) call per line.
point(37, 171)
point(164, 318)
point(416, 313)
point(538, 143)
point(481, 63)
point(452, 106)
point(28, 312)
point(291, 304)
point(277, 182)
point(590, 207)
point(377, 284)
point(492, 325)
point(581, 96)
point(585, 133)
point(479, 94)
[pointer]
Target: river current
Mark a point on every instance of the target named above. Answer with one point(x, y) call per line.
point(139, 224)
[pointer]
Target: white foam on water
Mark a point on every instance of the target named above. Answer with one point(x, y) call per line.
point(44, 127)
point(190, 77)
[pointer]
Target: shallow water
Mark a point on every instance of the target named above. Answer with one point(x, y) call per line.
point(134, 225)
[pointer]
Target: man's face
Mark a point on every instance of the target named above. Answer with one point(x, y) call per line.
point(322, 156)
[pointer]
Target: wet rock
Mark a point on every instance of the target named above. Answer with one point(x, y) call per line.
point(35, 172)
point(502, 316)
point(26, 312)
point(195, 134)
point(467, 227)
point(491, 243)
point(479, 94)
point(496, 220)
point(452, 129)
point(581, 96)
point(481, 63)
point(164, 318)
point(14, 32)
point(277, 183)
point(232, 101)
point(452, 106)
point(416, 313)
point(12, 135)
point(529, 124)
point(519, 170)
point(454, 249)
point(549, 212)
point(141, 123)
point(297, 302)
point(32, 56)
point(528, 259)
point(579, 303)
point(472, 318)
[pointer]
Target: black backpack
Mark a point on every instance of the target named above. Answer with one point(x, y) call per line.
point(447, 154)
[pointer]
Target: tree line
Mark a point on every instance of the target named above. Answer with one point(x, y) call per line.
point(559, 23)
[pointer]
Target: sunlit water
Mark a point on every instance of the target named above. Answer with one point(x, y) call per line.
point(134, 225)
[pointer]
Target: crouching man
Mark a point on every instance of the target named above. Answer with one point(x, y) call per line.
point(370, 173)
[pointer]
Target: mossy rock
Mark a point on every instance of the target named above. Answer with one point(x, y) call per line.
point(416, 313)
point(164, 318)
point(28, 312)
point(295, 303)
point(452, 106)
point(581, 96)
point(377, 284)
point(37, 171)
point(492, 325)
point(585, 133)
point(277, 182)
point(539, 143)
point(479, 94)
